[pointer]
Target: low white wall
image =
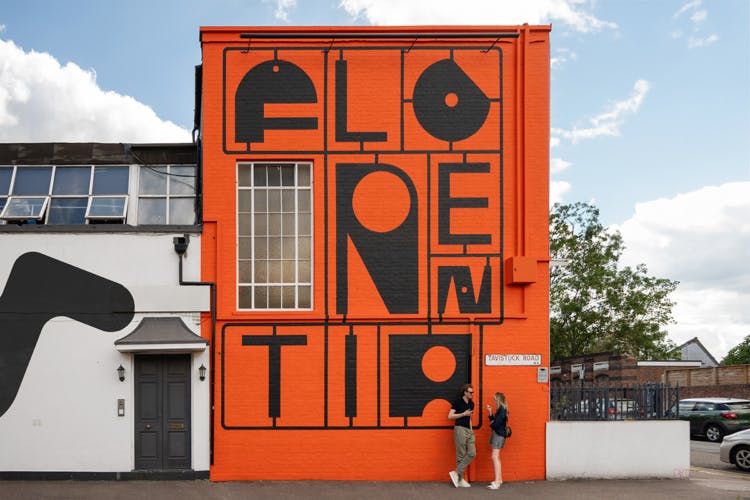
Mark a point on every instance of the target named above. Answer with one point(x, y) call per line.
point(617, 450)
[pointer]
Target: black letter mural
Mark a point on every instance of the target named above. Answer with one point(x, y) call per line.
point(350, 376)
point(40, 288)
point(461, 276)
point(342, 134)
point(390, 257)
point(446, 203)
point(445, 120)
point(409, 389)
point(271, 82)
point(274, 344)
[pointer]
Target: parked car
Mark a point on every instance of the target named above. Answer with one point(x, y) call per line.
point(620, 409)
point(611, 409)
point(735, 449)
point(715, 418)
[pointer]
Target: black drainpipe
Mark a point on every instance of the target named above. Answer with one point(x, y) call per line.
point(180, 246)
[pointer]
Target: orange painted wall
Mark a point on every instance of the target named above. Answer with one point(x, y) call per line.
point(461, 128)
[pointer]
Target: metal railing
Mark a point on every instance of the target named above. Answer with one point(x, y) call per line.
point(605, 402)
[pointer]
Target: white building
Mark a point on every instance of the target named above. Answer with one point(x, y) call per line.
point(104, 372)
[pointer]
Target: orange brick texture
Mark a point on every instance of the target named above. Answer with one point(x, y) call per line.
point(429, 159)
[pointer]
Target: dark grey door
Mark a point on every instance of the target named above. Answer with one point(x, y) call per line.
point(162, 412)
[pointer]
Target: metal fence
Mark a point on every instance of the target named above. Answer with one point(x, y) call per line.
point(605, 402)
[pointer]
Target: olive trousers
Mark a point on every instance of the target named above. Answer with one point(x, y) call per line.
point(466, 448)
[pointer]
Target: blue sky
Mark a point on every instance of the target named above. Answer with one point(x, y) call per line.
point(650, 109)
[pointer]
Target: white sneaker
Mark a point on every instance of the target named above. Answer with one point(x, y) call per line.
point(454, 477)
point(463, 483)
point(494, 486)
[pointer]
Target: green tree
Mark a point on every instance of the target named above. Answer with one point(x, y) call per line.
point(596, 305)
point(739, 354)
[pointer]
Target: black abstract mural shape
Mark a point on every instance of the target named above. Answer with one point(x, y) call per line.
point(390, 257)
point(342, 130)
point(441, 120)
point(461, 277)
point(40, 288)
point(410, 390)
point(271, 82)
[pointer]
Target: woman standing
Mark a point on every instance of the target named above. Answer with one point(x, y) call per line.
point(498, 421)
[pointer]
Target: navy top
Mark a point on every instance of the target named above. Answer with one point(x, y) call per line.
point(460, 406)
point(499, 420)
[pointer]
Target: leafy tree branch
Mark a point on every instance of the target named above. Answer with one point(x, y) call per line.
point(595, 304)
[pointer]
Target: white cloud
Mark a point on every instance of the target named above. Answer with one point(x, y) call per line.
point(609, 122)
point(557, 165)
point(702, 42)
point(562, 56)
point(699, 16)
point(42, 100)
point(556, 191)
point(698, 19)
point(695, 4)
point(573, 13)
point(701, 239)
point(283, 7)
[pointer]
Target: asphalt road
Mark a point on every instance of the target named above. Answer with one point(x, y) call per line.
point(706, 454)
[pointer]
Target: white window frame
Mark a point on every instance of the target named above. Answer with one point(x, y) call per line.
point(43, 214)
point(601, 365)
point(121, 216)
point(167, 195)
point(38, 216)
point(5, 195)
point(297, 284)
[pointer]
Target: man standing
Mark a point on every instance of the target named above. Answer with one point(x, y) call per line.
point(463, 435)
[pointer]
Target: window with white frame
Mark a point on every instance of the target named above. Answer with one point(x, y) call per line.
point(166, 194)
point(64, 194)
point(6, 175)
point(274, 235)
point(98, 194)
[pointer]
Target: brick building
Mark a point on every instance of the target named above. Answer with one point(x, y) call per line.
point(376, 221)
point(614, 369)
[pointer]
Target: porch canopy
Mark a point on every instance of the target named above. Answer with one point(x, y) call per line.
point(161, 334)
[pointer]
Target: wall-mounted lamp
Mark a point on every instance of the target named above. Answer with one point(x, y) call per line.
point(202, 372)
point(121, 373)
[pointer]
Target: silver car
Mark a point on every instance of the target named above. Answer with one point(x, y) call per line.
point(735, 449)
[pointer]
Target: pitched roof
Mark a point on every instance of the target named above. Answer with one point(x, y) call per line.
point(695, 340)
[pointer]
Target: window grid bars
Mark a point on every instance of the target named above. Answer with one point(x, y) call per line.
point(267, 188)
point(167, 196)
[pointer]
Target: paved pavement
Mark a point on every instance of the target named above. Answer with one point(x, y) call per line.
point(703, 483)
point(709, 479)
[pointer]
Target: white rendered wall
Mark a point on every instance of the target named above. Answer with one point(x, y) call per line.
point(64, 417)
point(618, 450)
